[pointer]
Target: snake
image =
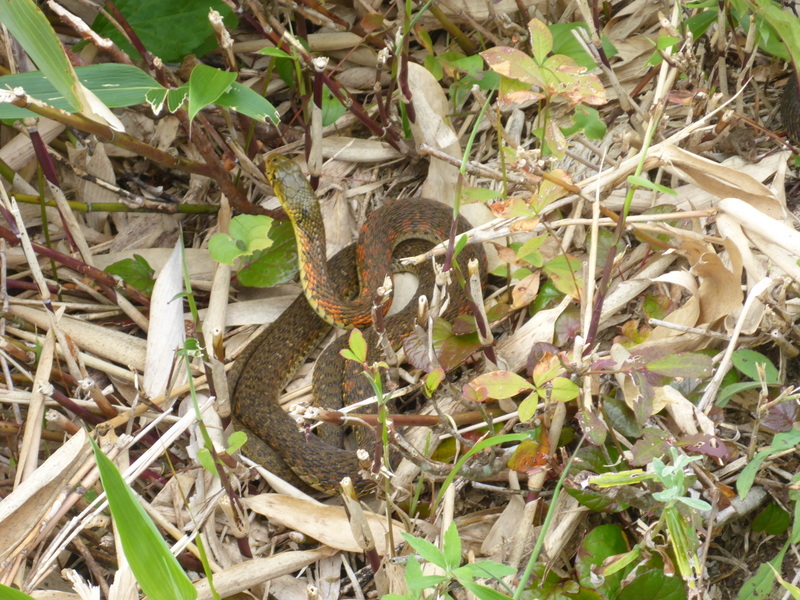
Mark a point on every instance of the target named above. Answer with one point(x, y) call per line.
point(790, 108)
point(337, 292)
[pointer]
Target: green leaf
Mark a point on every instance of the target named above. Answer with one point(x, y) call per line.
point(207, 461)
point(654, 585)
point(621, 418)
point(416, 581)
point(588, 120)
point(358, 345)
point(274, 52)
point(473, 194)
point(235, 441)
point(773, 520)
point(694, 503)
point(760, 585)
point(541, 40)
point(30, 27)
point(253, 230)
point(564, 272)
point(781, 442)
point(224, 249)
point(564, 390)
point(135, 272)
point(527, 408)
point(728, 391)
point(169, 29)
point(432, 381)
point(747, 361)
point(793, 589)
point(452, 547)
point(115, 86)
point(628, 477)
point(529, 251)
point(645, 183)
point(596, 501)
point(7, 593)
point(153, 564)
point(247, 235)
point(275, 265)
point(565, 42)
point(699, 23)
point(483, 592)
point(247, 102)
point(486, 569)
point(206, 84)
point(689, 364)
point(426, 550)
point(514, 64)
point(332, 107)
point(601, 543)
point(681, 536)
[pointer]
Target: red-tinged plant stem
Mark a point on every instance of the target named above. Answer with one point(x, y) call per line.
point(335, 87)
point(523, 11)
point(118, 20)
point(100, 277)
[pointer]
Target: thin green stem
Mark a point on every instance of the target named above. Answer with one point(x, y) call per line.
point(526, 575)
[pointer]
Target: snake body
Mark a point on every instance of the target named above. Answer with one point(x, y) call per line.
point(790, 109)
point(337, 292)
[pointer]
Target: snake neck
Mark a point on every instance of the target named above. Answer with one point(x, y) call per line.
point(341, 308)
point(330, 303)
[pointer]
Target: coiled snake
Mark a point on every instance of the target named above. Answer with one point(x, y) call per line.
point(332, 289)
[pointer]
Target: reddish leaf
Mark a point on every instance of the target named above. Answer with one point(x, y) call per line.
point(451, 349)
point(464, 324)
point(568, 324)
point(781, 417)
point(653, 444)
point(501, 384)
point(593, 426)
point(475, 393)
point(547, 369)
point(511, 207)
point(371, 21)
point(518, 97)
point(514, 64)
point(703, 443)
point(530, 455)
point(538, 352)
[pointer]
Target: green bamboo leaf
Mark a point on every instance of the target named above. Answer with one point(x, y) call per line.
point(206, 85)
point(7, 593)
point(115, 85)
point(153, 564)
point(32, 30)
point(247, 102)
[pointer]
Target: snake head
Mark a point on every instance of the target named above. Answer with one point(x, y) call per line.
point(276, 166)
